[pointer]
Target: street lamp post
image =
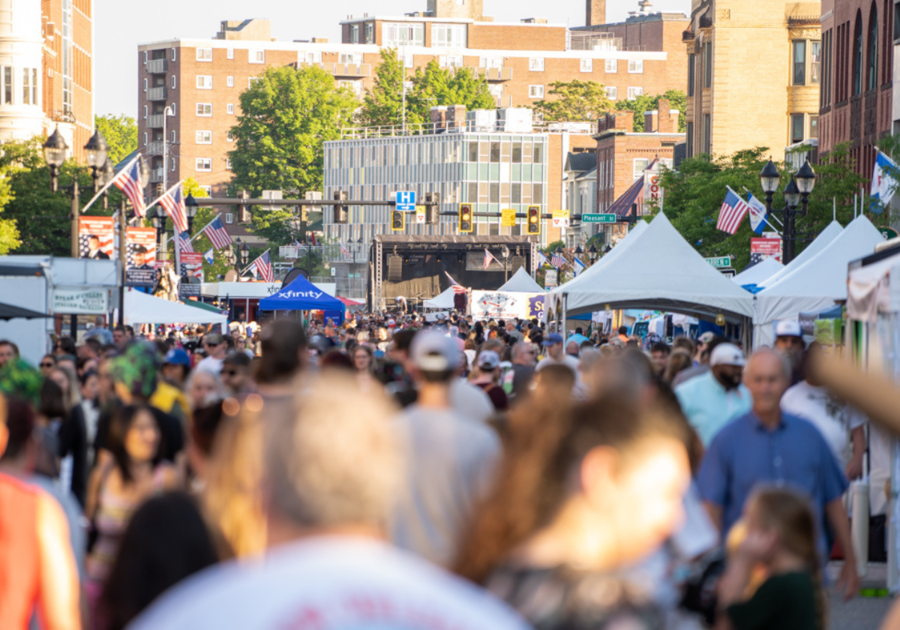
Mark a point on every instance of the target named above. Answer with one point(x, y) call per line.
point(504, 253)
point(190, 207)
point(159, 222)
point(592, 253)
point(796, 201)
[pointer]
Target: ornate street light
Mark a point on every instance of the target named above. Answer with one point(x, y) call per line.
point(796, 200)
point(190, 207)
point(96, 150)
point(55, 149)
point(245, 253)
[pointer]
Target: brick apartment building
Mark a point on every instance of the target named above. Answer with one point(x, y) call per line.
point(46, 70)
point(200, 80)
point(754, 70)
point(857, 77)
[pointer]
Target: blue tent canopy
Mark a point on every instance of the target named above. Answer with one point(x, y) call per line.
point(302, 295)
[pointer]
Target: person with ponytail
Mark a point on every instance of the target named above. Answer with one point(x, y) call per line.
point(780, 542)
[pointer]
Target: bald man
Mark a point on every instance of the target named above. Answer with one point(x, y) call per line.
point(767, 447)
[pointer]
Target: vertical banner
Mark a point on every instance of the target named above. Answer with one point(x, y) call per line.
point(95, 237)
point(140, 267)
point(653, 192)
point(191, 272)
point(762, 248)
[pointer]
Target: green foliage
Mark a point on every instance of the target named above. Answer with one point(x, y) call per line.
point(575, 101)
point(311, 262)
point(121, 133)
point(383, 103)
point(677, 100)
point(553, 247)
point(274, 226)
point(285, 118)
point(694, 194)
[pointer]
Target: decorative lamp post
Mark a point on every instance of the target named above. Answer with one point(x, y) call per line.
point(245, 254)
point(796, 201)
point(190, 207)
point(504, 253)
point(159, 222)
point(55, 154)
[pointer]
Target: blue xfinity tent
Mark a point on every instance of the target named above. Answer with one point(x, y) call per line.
point(303, 295)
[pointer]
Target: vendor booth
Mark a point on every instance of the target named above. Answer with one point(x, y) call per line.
point(521, 282)
point(303, 295)
point(752, 277)
point(142, 308)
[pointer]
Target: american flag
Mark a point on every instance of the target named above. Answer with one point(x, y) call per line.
point(457, 287)
point(129, 181)
point(557, 261)
point(184, 242)
point(488, 257)
point(264, 267)
point(173, 202)
point(344, 250)
point(733, 211)
point(216, 233)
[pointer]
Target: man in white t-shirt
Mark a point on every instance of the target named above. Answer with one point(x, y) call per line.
point(331, 473)
point(553, 343)
point(217, 350)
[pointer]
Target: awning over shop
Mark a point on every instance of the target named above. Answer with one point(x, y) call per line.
point(8, 311)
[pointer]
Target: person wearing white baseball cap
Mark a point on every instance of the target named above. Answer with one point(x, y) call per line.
point(715, 398)
point(789, 341)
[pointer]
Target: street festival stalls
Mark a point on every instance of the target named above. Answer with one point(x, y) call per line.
point(822, 241)
point(521, 297)
point(303, 295)
point(754, 276)
point(656, 270)
point(815, 285)
point(873, 308)
point(55, 286)
point(141, 308)
point(522, 282)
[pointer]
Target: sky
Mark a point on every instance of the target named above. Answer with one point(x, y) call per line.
point(118, 31)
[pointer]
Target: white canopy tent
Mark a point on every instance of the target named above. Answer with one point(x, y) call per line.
point(822, 241)
point(521, 282)
point(442, 302)
point(815, 285)
point(658, 270)
point(758, 273)
point(142, 308)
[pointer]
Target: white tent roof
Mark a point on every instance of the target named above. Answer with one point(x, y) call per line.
point(142, 308)
point(822, 241)
point(658, 270)
point(816, 284)
point(443, 301)
point(758, 273)
point(522, 282)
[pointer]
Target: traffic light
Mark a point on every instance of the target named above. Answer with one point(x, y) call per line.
point(398, 220)
point(340, 211)
point(534, 220)
point(431, 212)
point(465, 218)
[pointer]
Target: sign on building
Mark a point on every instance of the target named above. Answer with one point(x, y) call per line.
point(598, 218)
point(653, 191)
point(80, 301)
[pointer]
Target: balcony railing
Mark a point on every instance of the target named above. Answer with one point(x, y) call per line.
point(155, 148)
point(348, 70)
point(157, 66)
point(156, 175)
point(496, 74)
point(157, 93)
point(155, 121)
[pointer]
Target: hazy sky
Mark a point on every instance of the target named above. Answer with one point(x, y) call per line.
point(118, 30)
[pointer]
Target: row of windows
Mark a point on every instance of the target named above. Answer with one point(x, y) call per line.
point(204, 165)
point(506, 151)
point(206, 55)
point(851, 66)
point(205, 110)
point(612, 92)
point(19, 81)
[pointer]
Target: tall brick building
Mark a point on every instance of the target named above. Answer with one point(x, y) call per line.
point(857, 77)
point(200, 80)
point(754, 70)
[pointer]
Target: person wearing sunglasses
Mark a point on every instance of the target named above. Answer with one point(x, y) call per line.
point(236, 374)
point(48, 363)
point(216, 349)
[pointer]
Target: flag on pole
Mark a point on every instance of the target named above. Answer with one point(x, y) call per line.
point(217, 234)
point(758, 214)
point(732, 212)
point(173, 201)
point(579, 266)
point(264, 267)
point(488, 257)
point(556, 260)
point(184, 242)
point(209, 256)
point(129, 182)
point(884, 178)
point(542, 260)
point(344, 250)
point(457, 287)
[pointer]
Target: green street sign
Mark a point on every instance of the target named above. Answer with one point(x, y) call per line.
point(722, 262)
point(598, 218)
point(888, 233)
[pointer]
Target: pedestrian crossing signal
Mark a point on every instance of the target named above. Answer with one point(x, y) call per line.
point(534, 220)
point(398, 221)
point(465, 218)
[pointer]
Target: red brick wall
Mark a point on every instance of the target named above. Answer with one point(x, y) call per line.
point(486, 36)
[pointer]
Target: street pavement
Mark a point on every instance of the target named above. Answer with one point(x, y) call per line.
point(861, 613)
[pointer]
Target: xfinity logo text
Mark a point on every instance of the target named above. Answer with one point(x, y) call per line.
point(300, 294)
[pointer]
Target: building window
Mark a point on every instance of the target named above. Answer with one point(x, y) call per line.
point(173, 54)
point(227, 164)
point(797, 122)
point(691, 75)
point(204, 82)
point(229, 136)
point(858, 57)
point(310, 57)
point(396, 34)
point(708, 64)
point(29, 86)
point(634, 92)
point(174, 84)
point(229, 81)
point(612, 66)
point(173, 108)
point(538, 154)
point(207, 191)
point(815, 63)
point(813, 126)
point(689, 139)
point(256, 56)
point(146, 56)
point(204, 137)
point(536, 64)
point(448, 35)
point(640, 165)
point(145, 112)
point(172, 165)
point(535, 91)
point(229, 218)
point(707, 134)
point(450, 61)
point(612, 92)
point(873, 49)
point(173, 136)
point(145, 85)
point(826, 68)
point(204, 109)
point(351, 58)
point(145, 138)
point(204, 54)
point(354, 33)
point(370, 33)
point(491, 62)
point(635, 66)
point(229, 108)
point(230, 53)
point(587, 65)
point(799, 62)
point(203, 165)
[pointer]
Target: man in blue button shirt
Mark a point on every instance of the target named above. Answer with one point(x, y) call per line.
point(768, 447)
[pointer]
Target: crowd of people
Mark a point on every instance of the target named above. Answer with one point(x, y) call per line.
point(393, 472)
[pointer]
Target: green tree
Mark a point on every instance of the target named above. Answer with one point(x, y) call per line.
point(639, 105)
point(285, 118)
point(694, 194)
point(383, 103)
point(575, 101)
point(121, 133)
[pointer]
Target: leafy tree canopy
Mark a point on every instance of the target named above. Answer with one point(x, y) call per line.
point(575, 101)
point(121, 133)
point(677, 100)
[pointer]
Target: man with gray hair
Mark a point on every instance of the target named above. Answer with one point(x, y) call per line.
point(331, 472)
